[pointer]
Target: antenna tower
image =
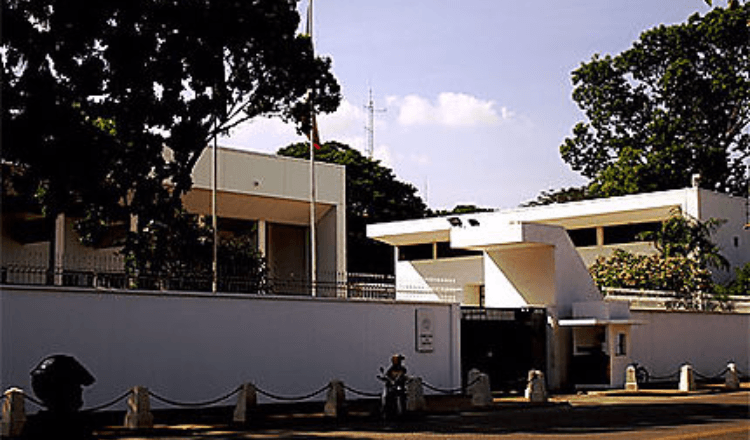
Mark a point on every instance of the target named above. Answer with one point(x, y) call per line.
point(370, 127)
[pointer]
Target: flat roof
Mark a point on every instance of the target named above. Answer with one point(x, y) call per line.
point(635, 208)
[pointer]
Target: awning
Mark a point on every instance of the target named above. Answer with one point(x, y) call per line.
point(590, 322)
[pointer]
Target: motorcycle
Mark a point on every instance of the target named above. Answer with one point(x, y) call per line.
point(393, 398)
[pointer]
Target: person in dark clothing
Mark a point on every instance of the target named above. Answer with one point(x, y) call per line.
point(58, 382)
point(397, 372)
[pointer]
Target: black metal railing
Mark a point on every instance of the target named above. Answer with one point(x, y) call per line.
point(336, 285)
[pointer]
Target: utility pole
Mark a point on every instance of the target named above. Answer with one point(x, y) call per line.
point(370, 127)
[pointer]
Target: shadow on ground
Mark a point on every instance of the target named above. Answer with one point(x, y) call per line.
point(551, 419)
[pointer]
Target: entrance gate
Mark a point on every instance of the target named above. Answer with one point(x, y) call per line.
point(503, 343)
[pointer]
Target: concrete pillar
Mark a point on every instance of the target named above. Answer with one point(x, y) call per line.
point(631, 382)
point(415, 401)
point(262, 238)
point(247, 402)
point(14, 413)
point(139, 410)
point(535, 389)
point(479, 389)
point(59, 250)
point(335, 399)
point(731, 378)
point(687, 378)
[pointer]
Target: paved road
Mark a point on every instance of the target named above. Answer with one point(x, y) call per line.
point(601, 416)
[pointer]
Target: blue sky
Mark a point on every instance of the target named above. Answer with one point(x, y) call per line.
point(476, 93)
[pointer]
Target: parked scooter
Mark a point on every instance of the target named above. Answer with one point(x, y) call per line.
point(393, 398)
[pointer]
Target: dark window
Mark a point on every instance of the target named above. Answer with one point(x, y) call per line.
point(583, 237)
point(415, 252)
point(444, 250)
point(621, 345)
point(628, 233)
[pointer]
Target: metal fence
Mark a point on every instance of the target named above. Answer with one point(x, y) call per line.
point(666, 300)
point(363, 286)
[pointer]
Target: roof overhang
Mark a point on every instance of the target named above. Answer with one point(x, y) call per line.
point(254, 207)
point(404, 233)
point(591, 322)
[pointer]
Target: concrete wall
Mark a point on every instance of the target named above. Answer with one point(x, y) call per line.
point(197, 347)
point(451, 276)
point(520, 277)
point(732, 237)
point(268, 175)
point(666, 340)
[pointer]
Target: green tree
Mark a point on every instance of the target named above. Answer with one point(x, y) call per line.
point(676, 103)
point(459, 209)
point(564, 195)
point(373, 195)
point(740, 285)
point(679, 274)
point(683, 263)
point(684, 236)
point(108, 105)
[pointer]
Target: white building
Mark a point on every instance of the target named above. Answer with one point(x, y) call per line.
point(257, 192)
point(536, 258)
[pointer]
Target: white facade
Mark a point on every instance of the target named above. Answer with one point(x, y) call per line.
point(528, 259)
point(196, 347)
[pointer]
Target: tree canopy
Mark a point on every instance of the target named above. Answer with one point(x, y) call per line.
point(459, 209)
point(676, 103)
point(110, 104)
point(373, 195)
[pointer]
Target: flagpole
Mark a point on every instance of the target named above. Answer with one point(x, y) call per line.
point(214, 220)
point(313, 238)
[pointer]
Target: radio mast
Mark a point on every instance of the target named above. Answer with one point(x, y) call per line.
point(370, 127)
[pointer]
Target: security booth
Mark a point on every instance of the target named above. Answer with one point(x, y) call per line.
point(601, 344)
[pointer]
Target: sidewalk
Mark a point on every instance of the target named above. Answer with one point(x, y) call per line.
point(590, 413)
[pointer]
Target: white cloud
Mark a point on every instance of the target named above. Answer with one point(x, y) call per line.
point(345, 125)
point(420, 159)
point(451, 109)
point(384, 155)
point(347, 119)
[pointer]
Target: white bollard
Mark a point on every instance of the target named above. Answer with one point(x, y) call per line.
point(415, 401)
point(535, 389)
point(631, 382)
point(334, 406)
point(479, 389)
point(14, 413)
point(687, 378)
point(731, 378)
point(139, 410)
point(247, 402)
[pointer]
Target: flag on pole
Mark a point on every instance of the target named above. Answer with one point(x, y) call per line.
point(313, 135)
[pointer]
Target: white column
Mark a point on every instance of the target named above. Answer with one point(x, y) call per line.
point(59, 248)
point(262, 238)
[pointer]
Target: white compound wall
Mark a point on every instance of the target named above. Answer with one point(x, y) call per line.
point(190, 348)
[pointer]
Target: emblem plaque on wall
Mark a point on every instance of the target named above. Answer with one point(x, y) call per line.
point(425, 331)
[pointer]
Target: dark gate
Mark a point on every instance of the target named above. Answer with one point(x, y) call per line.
point(503, 343)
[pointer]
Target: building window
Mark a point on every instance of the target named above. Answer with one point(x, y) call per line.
point(621, 345)
point(582, 237)
point(413, 252)
point(621, 234)
point(444, 250)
